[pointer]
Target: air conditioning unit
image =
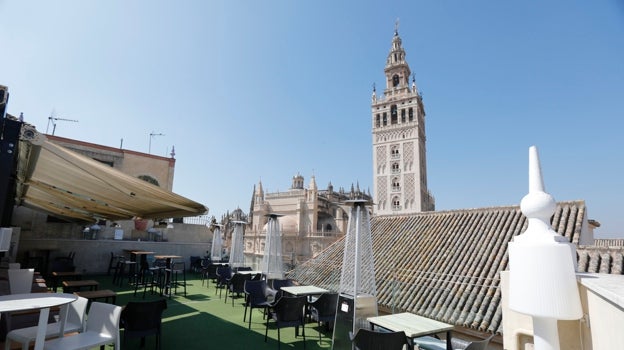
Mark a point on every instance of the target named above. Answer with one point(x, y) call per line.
point(29, 133)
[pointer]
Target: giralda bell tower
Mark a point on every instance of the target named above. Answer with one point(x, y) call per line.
point(399, 152)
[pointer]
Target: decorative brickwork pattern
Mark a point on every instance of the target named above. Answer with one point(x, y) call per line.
point(408, 152)
point(410, 193)
point(382, 188)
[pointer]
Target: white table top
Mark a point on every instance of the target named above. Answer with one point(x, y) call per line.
point(413, 325)
point(32, 301)
point(248, 272)
point(304, 290)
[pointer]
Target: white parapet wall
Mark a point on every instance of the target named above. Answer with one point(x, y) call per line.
point(602, 299)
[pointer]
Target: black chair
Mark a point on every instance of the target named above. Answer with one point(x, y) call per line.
point(125, 268)
point(223, 274)
point(474, 345)
point(153, 278)
point(143, 318)
point(287, 312)
point(208, 272)
point(236, 286)
point(255, 297)
point(195, 263)
point(63, 264)
point(275, 286)
point(323, 309)
point(366, 339)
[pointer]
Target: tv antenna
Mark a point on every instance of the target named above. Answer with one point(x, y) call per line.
point(152, 134)
point(53, 120)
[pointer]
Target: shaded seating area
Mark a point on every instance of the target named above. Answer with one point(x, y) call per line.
point(204, 315)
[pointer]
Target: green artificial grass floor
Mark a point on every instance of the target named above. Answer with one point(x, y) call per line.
point(202, 320)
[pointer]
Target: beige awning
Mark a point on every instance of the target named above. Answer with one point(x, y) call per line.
point(69, 185)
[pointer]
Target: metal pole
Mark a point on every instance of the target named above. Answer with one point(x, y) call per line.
point(356, 278)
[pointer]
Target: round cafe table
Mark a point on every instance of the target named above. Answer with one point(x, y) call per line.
point(37, 301)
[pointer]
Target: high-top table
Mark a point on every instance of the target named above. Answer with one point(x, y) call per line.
point(413, 325)
point(143, 265)
point(38, 301)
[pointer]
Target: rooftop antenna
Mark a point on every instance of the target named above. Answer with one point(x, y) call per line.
point(152, 134)
point(52, 118)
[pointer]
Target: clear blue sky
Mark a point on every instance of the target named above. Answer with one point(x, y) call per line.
point(250, 90)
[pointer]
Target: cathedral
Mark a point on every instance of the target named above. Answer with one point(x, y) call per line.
point(312, 219)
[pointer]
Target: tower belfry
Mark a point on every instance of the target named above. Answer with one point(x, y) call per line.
point(399, 151)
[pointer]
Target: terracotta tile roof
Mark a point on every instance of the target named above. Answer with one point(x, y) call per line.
point(443, 265)
point(601, 259)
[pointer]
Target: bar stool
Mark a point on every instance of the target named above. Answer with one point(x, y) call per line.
point(153, 278)
point(121, 271)
point(177, 277)
point(112, 263)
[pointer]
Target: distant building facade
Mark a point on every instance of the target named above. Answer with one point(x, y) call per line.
point(148, 167)
point(399, 152)
point(313, 219)
point(154, 169)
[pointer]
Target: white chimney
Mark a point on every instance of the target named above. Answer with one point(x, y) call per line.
point(542, 264)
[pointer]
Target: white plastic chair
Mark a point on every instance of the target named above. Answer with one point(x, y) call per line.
point(75, 323)
point(20, 280)
point(102, 329)
point(15, 266)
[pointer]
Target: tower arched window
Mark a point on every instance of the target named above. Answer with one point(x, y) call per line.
point(393, 115)
point(395, 80)
point(385, 119)
point(411, 114)
point(396, 184)
point(396, 203)
point(396, 168)
point(394, 152)
point(377, 121)
point(402, 115)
